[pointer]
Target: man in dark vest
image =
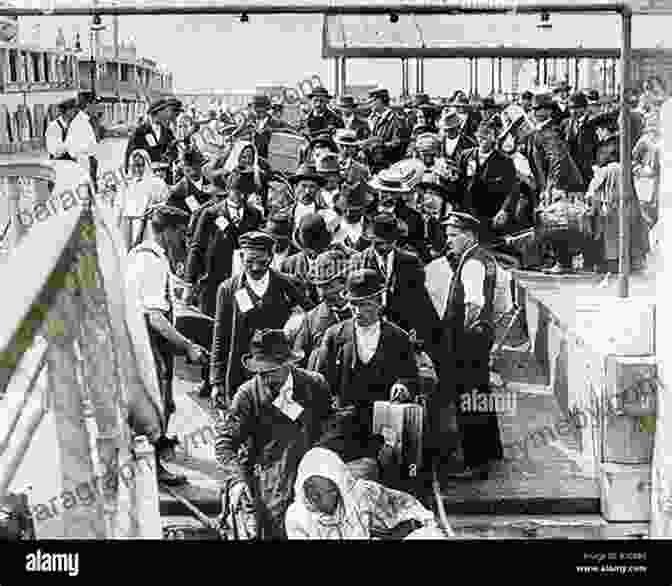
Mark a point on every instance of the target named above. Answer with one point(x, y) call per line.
point(321, 118)
point(156, 135)
point(365, 359)
point(188, 193)
point(259, 298)
point(462, 287)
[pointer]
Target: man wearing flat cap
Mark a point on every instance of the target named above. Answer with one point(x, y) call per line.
point(156, 136)
point(147, 284)
point(320, 118)
point(461, 285)
point(386, 129)
point(365, 359)
point(258, 298)
point(278, 414)
point(57, 131)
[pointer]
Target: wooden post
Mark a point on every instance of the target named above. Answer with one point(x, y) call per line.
point(418, 73)
point(492, 75)
point(499, 74)
point(344, 76)
point(577, 70)
point(476, 75)
point(337, 75)
point(626, 159)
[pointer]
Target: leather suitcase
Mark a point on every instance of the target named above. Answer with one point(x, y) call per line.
point(402, 426)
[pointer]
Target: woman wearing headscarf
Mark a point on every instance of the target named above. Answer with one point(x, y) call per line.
point(254, 173)
point(144, 189)
point(331, 504)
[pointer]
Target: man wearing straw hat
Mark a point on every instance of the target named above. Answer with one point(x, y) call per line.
point(281, 413)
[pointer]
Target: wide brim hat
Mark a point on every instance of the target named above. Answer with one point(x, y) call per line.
point(561, 86)
point(383, 228)
point(363, 284)
point(322, 138)
point(402, 177)
point(346, 103)
point(328, 164)
point(319, 92)
point(307, 173)
point(378, 92)
point(270, 350)
point(256, 240)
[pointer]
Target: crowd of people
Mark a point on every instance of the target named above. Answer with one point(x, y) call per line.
point(324, 290)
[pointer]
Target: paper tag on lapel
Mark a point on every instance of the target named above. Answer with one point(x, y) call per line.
point(243, 300)
point(192, 202)
point(389, 435)
point(151, 141)
point(289, 408)
point(222, 223)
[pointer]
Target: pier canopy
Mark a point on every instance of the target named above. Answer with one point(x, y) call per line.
point(431, 7)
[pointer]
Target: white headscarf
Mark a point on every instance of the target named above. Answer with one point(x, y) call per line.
point(347, 522)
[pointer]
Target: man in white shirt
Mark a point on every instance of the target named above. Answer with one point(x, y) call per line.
point(307, 184)
point(148, 288)
point(453, 141)
point(466, 312)
point(81, 141)
point(351, 204)
point(57, 131)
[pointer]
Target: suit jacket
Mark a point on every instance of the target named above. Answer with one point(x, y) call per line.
point(491, 187)
point(233, 330)
point(160, 145)
point(359, 125)
point(354, 171)
point(262, 137)
point(337, 356)
point(274, 444)
point(181, 191)
point(298, 267)
point(408, 304)
point(464, 143)
point(388, 128)
point(581, 137)
point(328, 122)
point(316, 322)
point(552, 163)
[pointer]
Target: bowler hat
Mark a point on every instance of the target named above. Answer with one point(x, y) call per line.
point(312, 232)
point(353, 197)
point(279, 225)
point(256, 240)
point(379, 92)
point(421, 100)
point(319, 92)
point(328, 164)
point(307, 172)
point(578, 100)
point(450, 120)
point(329, 265)
point(193, 158)
point(461, 221)
point(346, 103)
point(347, 137)
point(402, 177)
point(269, 350)
point(363, 284)
point(383, 228)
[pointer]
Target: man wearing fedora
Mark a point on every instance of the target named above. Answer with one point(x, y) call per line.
point(469, 117)
point(454, 141)
point(320, 118)
point(327, 165)
point(347, 107)
point(439, 197)
point(147, 283)
point(264, 124)
point(307, 183)
point(156, 135)
point(312, 237)
point(561, 91)
point(279, 227)
point(328, 276)
point(491, 188)
point(404, 299)
point(580, 132)
point(278, 414)
point(189, 194)
point(351, 204)
point(365, 359)
point(386, 130)
point(257, 298)
point(461, 284)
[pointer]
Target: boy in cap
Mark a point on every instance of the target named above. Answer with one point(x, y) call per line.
point(280, 413)
point(258, 298)
point(461, 285)
point(147, 284)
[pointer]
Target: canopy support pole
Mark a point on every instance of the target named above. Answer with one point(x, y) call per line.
point(626, 160)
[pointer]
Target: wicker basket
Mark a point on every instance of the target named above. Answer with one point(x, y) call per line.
point(566, 216)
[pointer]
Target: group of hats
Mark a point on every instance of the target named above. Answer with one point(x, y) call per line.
point(163, 103)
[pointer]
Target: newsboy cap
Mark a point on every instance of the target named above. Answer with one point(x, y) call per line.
point(257, 240)
point(462, 221)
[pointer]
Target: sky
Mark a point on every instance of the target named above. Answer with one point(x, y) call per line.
point(219, 52)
